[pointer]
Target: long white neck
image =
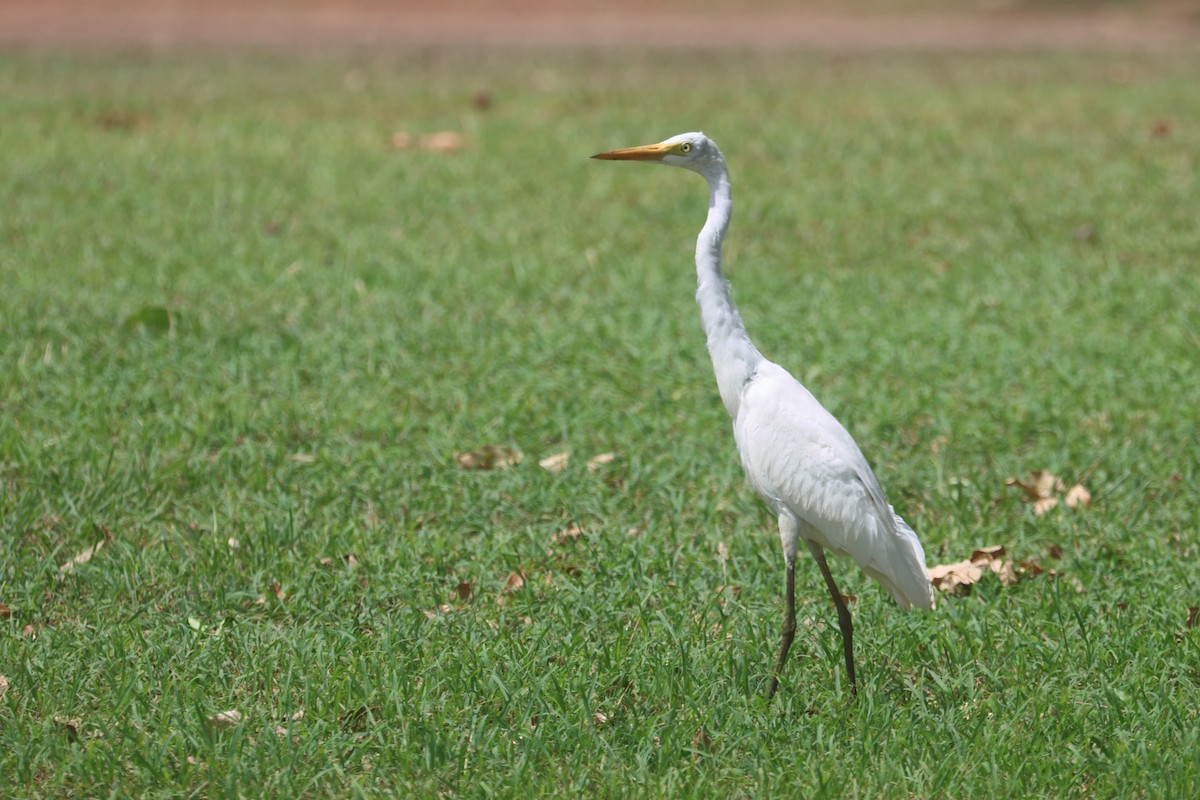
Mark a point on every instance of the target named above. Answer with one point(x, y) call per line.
point(734, 356)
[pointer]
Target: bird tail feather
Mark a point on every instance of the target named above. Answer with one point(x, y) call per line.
point(902, 570)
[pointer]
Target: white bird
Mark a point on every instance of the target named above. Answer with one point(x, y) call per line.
point(797, 456)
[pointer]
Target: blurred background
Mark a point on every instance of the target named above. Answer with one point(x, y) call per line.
point(826, 24)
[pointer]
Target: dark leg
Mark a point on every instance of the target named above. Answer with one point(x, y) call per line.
point(789, 628)
point(844, 621)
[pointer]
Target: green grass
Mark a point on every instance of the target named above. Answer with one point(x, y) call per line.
point(983, 265)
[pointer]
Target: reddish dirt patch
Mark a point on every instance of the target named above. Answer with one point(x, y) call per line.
point(765, 24)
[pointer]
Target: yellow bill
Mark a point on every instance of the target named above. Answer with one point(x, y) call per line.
point(645, 152)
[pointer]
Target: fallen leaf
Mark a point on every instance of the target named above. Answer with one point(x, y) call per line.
point(949, 577)
point(1078, 496)
point(555, 463)
point(121, 120)
point(515, 581)
point(1044, 504)
point(1041, 489)
point(1193, 614)
point(82, 557)
point(70, 725)
point(225, 719)
point(277, 590)
point(482, 99)
point(1039, 483)
point(987, 553)
point(465, 591)
point(5, 611)
point(303, 458)
point(490, 456)
point(599, 718)
point(233, 543)
point(566, 534)
point(29, 631)
point(443, 142)
point(3, 686)
point(701, 742)
point(598, 461)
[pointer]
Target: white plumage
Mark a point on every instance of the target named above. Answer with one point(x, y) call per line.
point(797, 456)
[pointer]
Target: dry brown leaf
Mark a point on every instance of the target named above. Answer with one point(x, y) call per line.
point(5, 611)
point(303, 458)
point(29, 632)
point(82, 557)
point(1078, 496)
point(949, 577)
point(3, 686)
point(598, 461)
point(490, 456)
point(481, 99)
point(701, 741)
point(1042, 488)
point(516, 581)
point(443, 142)
point(987, 553)
point(277, 590)
point(555, 463)
point(1044, 504)
point(1193, 614)
point(70, 725)
point(599, 718)
point(567, 534)
point(465, 591)
point(225, 719)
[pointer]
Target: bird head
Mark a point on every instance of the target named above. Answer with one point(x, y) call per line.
point(693, 151)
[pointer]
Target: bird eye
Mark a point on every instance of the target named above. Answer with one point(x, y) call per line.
point(686, 147)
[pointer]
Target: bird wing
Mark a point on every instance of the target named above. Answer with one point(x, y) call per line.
point(798, 457)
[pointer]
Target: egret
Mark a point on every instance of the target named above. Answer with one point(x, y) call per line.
point(800, 460)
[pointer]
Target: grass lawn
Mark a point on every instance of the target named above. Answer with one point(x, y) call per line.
point(243, 337)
